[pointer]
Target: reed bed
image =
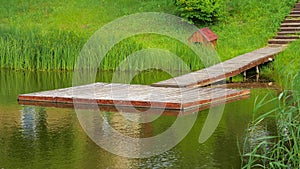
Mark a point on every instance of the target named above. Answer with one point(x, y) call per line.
point(280, 149)
point(58, 50)
point(31, 50)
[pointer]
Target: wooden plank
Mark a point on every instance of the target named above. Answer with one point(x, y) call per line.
point(296, 9)
point(290, 28)
point(281, 41)
point(287, 37)
point(109, 108)
point(288, 32)
point(295, 12)
point(293, 20)
point(293, 16)
point(132, 95)
point(290, 24)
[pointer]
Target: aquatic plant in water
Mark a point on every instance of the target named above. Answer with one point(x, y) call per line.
point(282, 148)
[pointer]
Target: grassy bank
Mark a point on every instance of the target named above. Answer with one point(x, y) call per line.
point(39, 35)
point(287, 67)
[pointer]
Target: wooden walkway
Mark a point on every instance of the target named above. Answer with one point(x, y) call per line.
point(223, 70)
point(125, 95)
point(288, 32)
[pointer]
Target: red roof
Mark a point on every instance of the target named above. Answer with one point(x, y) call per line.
point(208, 34)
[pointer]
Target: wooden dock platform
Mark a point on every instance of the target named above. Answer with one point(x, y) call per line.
point(223, 70)
point(125, 95)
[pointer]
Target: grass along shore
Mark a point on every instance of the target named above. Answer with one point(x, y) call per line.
point(40, 35)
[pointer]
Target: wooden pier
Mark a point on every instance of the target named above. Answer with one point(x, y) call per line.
point(125, 95)
point(223, 70)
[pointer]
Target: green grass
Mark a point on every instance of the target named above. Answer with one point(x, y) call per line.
point(78, 16)
point(32, 50)
point(249, 26)
point(48, 35)
point(287, 66)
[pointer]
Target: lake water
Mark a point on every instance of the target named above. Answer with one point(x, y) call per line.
point(45, 137)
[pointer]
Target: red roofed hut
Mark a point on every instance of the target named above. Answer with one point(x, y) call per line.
point(204, 35)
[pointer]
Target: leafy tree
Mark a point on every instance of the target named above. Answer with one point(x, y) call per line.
point(200, 11)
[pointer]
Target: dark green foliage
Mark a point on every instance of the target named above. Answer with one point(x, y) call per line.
point(200, 11)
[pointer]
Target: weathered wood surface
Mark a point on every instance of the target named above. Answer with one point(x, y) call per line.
point(139, 110)
point(111, 108)
point(223, 70)
point(134, 95)
point(291, 20)
point(281, 41)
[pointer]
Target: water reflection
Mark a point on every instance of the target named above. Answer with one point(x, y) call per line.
point(47, 137)
point(53, 137)
point(28, 122)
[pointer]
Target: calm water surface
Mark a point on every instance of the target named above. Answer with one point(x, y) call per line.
point(45, 137)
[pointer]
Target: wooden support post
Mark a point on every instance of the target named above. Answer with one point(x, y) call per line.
point(245, 75)
point(257, 73)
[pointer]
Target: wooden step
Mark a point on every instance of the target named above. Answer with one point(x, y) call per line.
point(296, 9)
point(290, 24)
point(295, 12)
point(288, 33)
point(297, 5)
point(293, 16)
point(290, 29)
point(281, 41)
point(276, 45)
point(287, 37)
point(291, 21)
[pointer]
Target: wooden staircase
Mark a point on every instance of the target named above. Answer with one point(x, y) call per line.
point(290, 28)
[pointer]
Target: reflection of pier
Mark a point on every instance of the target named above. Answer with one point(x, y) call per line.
point(28, 121)
point(124, 95)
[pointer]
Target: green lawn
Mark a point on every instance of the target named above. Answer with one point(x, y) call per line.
point(48, 35)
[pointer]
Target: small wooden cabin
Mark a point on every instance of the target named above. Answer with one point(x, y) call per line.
point(204, 35)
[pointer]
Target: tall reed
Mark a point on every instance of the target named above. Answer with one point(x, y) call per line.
point(280, 149)
point(58, 50)
point(32, 50)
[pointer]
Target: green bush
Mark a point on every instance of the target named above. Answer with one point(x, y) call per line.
point(200, 11)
